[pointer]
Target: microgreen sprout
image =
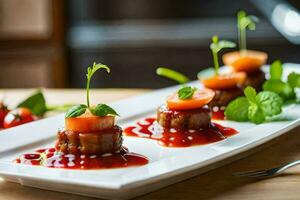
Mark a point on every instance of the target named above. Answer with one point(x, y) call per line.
point(244, 22)
point(216, 46)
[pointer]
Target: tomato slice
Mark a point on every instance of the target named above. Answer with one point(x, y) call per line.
point(245, 61)
point(88, 123)
point(17, 117)
point(225, 81)
point(200, 98)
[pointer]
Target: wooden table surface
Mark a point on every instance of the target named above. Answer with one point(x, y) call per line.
point(215, 184)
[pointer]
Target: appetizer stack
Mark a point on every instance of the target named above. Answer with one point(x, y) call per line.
point(188, 112)
point(90, 140)
point(227, 86)
point(248, 61)
point(89, 134)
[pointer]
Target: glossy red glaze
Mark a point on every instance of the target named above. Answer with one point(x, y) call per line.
point(53, 159)
point(218, 115)
point(179, 138)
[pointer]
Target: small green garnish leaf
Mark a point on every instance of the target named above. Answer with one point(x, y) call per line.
point(103, 110)
point(172, 74)
point(244, 22)
point(90, 72)
point(269, 102)
point(294, 80)
point(250, 94)
point(76, 111)
point(186, 92)
point(276, 70)
point(255, 114)
point(216, 46)
point(237, 110)
point(36, 103)
point(281, 88)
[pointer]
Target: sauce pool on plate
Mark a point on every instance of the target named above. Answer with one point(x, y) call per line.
point(149, 128)
point(53, 159)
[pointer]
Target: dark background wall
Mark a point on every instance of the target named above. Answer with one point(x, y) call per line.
point(136, 36)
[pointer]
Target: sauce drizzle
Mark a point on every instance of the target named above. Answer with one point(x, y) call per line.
point(51, 158)
point(149, 128)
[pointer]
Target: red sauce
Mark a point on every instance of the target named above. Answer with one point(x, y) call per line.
point(53, 159)
point(218, 115)
point(179, 138)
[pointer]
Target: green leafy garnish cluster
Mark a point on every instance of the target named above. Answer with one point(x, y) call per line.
point(254, 107)
point(275, 84)
point(216, 46)
point(244, 22)
point(100, 109)
point(185, 92)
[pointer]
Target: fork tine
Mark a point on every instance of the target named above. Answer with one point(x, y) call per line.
point(249, 173)
point(260, 175)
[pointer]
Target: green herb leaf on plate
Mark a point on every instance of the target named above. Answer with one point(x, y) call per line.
point(294, 80)
point(269, 102)
point(103, 110)
point(256, 114)
point(186, 92)
point(250, 94)
point(237, 110)
point(172, 74)
point(276, 70)
point(281, 88)
point(76, 111)
point(36, 103)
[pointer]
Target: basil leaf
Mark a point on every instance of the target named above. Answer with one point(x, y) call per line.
point(186, 92)
point(256, 114)
point(103, 110)
point(76, 111)
point(276, 70)
point(237, 110)
point(281, 88)
point(294, 80)
point(250, 94)
point(36, 103)
point(269, 102)
point(172, 74)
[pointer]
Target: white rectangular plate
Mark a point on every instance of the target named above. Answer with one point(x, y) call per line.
point(167, 165)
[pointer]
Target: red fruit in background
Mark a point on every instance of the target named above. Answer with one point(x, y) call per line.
point(17, 117)
point(3, 113)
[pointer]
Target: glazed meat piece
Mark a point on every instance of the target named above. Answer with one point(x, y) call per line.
point(223, 97)
point(255, 79)
point(107, 141)
point(183, 119)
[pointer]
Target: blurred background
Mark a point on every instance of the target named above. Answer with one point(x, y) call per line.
point(49, 43)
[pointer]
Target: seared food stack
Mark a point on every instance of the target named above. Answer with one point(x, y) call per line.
point(90, 134)
point(244, 60)
point(90, 129)
point(186, 109)
point(226, 85)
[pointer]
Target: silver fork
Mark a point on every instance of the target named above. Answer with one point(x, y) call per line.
point(267, 172)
